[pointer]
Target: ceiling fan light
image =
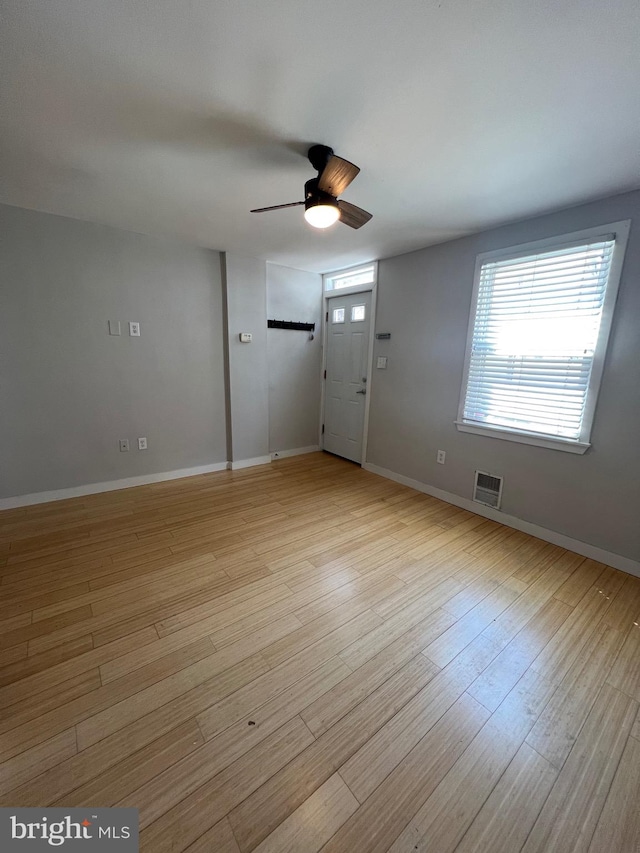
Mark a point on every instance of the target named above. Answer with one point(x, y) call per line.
point(322, 215)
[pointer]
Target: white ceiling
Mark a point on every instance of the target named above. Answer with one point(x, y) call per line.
point(176, 117)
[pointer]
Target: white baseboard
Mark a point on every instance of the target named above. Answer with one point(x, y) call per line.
point(297, 451)
point(109, 486)
point(625, 564)
point(249, 463)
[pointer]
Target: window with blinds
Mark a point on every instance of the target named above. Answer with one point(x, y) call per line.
point(539, 326)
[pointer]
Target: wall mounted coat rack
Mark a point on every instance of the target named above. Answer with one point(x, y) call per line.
point(288, 324)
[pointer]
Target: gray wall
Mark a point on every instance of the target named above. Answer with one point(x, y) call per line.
point(294, 360)
point(424, 300)
point(246, 298)
point(68, 390)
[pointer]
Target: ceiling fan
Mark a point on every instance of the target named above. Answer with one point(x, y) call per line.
point(321, 202)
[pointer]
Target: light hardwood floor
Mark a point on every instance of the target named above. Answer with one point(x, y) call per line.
point(303, 657)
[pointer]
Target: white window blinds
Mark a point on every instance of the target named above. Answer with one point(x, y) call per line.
point(537, 321)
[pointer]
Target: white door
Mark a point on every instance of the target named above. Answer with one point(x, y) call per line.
point(348, 329)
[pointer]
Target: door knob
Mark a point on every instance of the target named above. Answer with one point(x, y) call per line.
point(362, 391)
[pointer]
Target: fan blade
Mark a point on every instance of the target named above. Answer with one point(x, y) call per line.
point(336, 176)
point(276, 207)
point(354, 217)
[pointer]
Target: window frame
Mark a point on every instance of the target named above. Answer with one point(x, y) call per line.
point(335, 322)
point(329, 278)
point(620, 230)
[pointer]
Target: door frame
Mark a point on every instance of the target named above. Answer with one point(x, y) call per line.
point(371, 287)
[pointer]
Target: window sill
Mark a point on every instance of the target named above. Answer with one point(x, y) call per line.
point(525, 438)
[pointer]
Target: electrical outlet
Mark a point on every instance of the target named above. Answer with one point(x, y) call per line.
point(142, 443)
point(134, 330)
point(124, 445)
point(440, 458)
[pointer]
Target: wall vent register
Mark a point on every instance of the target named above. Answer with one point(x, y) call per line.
point(487, 489)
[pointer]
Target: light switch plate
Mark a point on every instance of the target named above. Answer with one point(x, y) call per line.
point(381, 364)
point(114, 327)
point(246, 337)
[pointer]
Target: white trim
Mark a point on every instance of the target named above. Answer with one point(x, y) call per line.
point(523, 437)
point(297, 451)
point(619, 230)
point(249, 463)
point(109, 486)
point(348, 291)
point(625, 564)
point(370, 372)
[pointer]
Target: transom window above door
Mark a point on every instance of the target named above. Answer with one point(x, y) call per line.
point(356, 277)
